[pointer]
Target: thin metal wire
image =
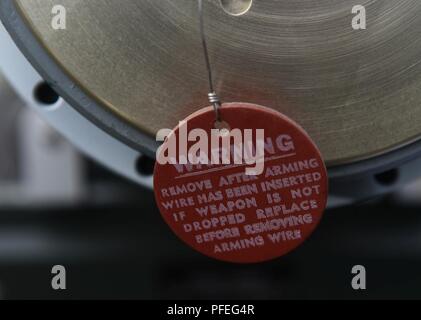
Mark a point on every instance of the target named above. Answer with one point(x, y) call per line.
point(213, 97)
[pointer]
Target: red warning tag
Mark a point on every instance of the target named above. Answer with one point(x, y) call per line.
point(246, 194)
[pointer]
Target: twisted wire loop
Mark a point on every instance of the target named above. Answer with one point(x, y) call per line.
point(213, 97)
point(216, 103)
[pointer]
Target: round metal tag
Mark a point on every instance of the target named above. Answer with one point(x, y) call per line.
point(247, 193)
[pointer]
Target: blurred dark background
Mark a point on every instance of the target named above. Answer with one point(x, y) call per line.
point(125, 251)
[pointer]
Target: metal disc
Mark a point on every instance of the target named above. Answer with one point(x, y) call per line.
point(356, 92)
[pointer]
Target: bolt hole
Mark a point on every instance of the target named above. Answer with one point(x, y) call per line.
point(46, 95)
point(387, 178)
point(145, 165)
point(236, 7)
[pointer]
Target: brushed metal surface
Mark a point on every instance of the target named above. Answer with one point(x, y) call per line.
point(357, 93)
